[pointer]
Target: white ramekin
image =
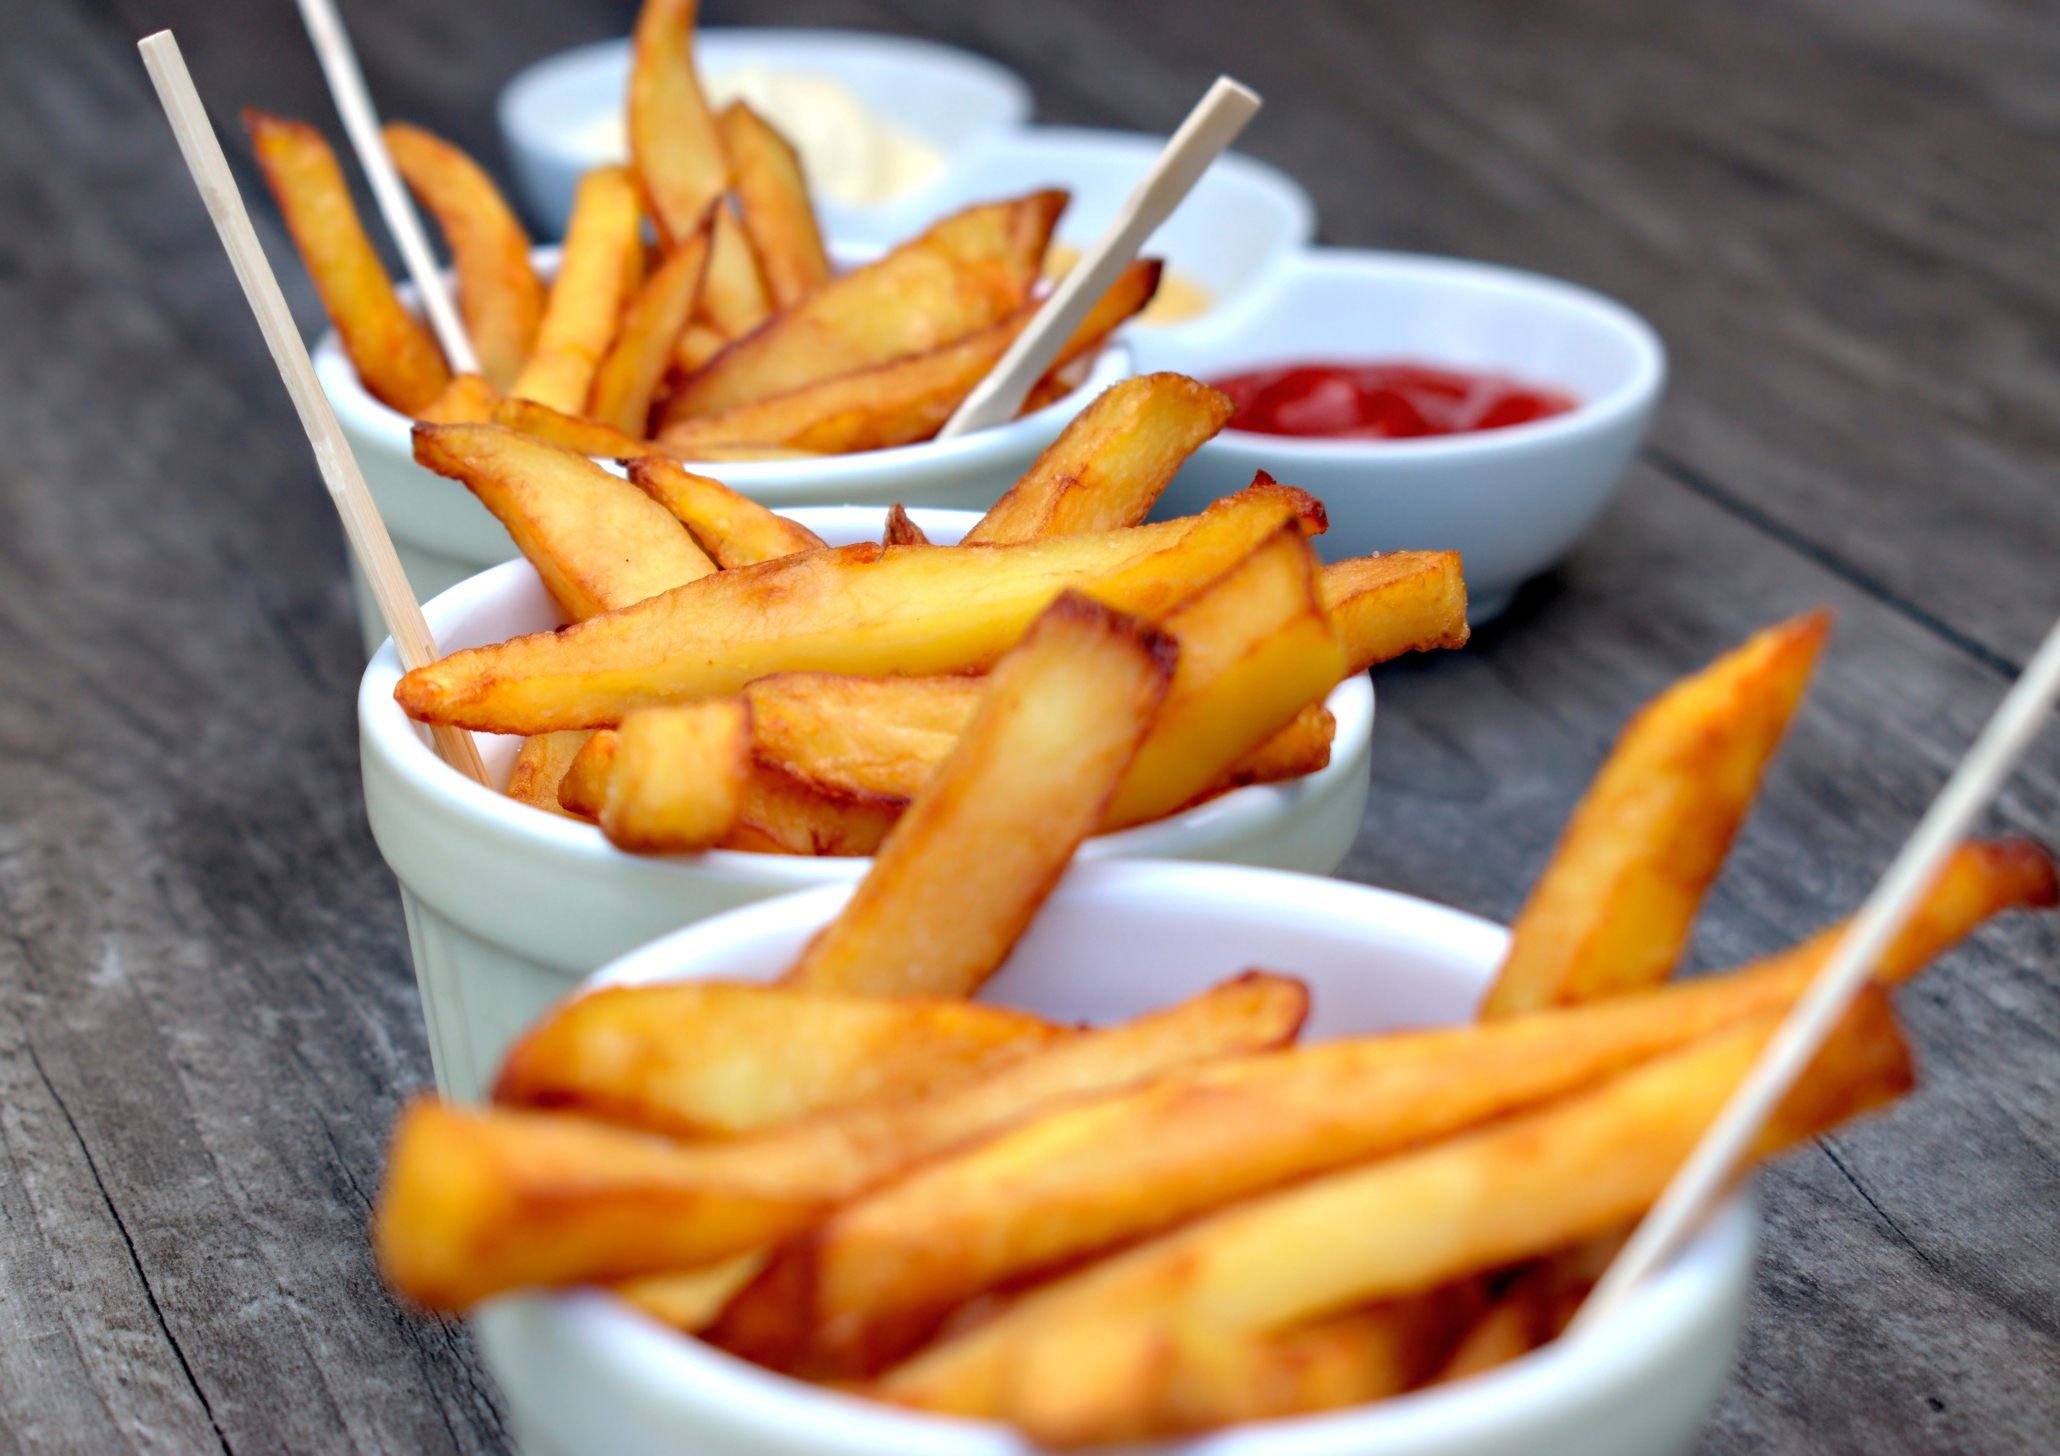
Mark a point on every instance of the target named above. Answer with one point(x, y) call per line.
point(508, 907)
point(1512, 501)
point(582, 1372)
point(444, 535)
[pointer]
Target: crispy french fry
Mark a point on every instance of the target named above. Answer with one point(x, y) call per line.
point(697, 344)
point(1303, 747)
point(967, 272)
point(859, 609)
point(733, 297)
point(981, 847)
point(777, 214)
point(1613, 908)
point(597, 541)
point(573, 432)
point(901, 529)
point(584, 788)
point(540, 767)
point(478, 1202)
point(604, 252)
point(397, 360)
point(1127, 297)
point(627, 380)
point(1070, 1362)
point(499, 294)
point(1401, 601)
point(713, 1059)
point(709, 744)
point(690, 1301)
point(673, 142)
point(731, 527)
point(467, 400)
point(786, 814)
point(872, 735)
point(1110, 464)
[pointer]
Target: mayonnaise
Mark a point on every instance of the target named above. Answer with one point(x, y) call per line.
point(850, 153)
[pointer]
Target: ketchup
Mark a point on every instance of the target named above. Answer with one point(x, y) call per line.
point(1387, 401)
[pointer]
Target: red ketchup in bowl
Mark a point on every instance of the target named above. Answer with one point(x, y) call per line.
point(1382, 401)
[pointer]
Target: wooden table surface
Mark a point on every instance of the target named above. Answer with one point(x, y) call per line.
point(1841, 218)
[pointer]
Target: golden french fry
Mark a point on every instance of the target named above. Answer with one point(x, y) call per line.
point(731, 527)
point(871, 735)
point(733, 297)
point(967, 272)
point(707, 744)
point(713, 1059)
point(584, 788)
point(597, 541)
point(1303, 747)
point(697, 344)
point(1127, 297)
point(540, 768)
point(1612, 909)
point(478, 1202)
point(1110, 464)
point(597, 274)
point(961, 874)
point(467, 400)
point(1398, 602)
point(908, 611)
point(396, 358)
point(901, 529)
point(628, 378)
point(1067, 1362)
point(690, 1301)
point(773, 198)
point(499, 294)
point(673, 142)
point(573, 432)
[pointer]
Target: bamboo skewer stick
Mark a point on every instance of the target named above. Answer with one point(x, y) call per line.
point(1210, 128)
point(1708, 1171)
point(361, 523)
point(361, 123)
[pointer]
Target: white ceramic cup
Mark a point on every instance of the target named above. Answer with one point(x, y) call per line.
point(1511, 501)
point(443, 535)
point(509, 907)
point(582, 1372)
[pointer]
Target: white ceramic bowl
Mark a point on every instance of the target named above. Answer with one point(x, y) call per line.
point(556, 115)
point(582, 1372)
point(1512, 501)
point(508, 907)
point(444, 535)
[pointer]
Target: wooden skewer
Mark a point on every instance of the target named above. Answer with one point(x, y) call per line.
point(1208, 130)
point(361, 123)
point(361, 523)
point(1708, 1171)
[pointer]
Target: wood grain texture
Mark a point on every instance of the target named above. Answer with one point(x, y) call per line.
point(1839, 216)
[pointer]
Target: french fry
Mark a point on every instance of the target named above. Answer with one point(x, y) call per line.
point(710, 741)
point(967, 272)
point(784, 813)
point(395, 356)
point(499, 294)
point(1613, 908)
point(628, 378)
point(597, 541)
point(856, 609)
point(673, 142)
point(733, 297)
point(584, 788)
point(478, 1202)
point(701, 1059)
point(690, 1301)
point(598, 272)
point(467, 400)
point(1531, 1308)
point(1303, 747)
point(572, 432)
point(730, 527)
point(697, 344)
point(1398, 602)
point(901, 529)
point(1071, 1362)
point(540, 768)
point(773, 198)
point(981, 847)
point(1110, 464)
point(1127, 297)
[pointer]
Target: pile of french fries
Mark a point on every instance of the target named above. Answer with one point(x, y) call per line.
point(730, 681)
point(732, 339)
point(857, 1175)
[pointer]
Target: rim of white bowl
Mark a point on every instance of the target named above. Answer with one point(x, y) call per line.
point(1551, 1382)
point(766, 480)
point(1634, 394)
point(390, 733)
point(521, 116)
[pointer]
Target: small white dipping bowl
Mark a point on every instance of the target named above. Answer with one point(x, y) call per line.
point(508, 907)
point(557, 116)
point(583, 1372)
point(444, 535)
point(1511, 501)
